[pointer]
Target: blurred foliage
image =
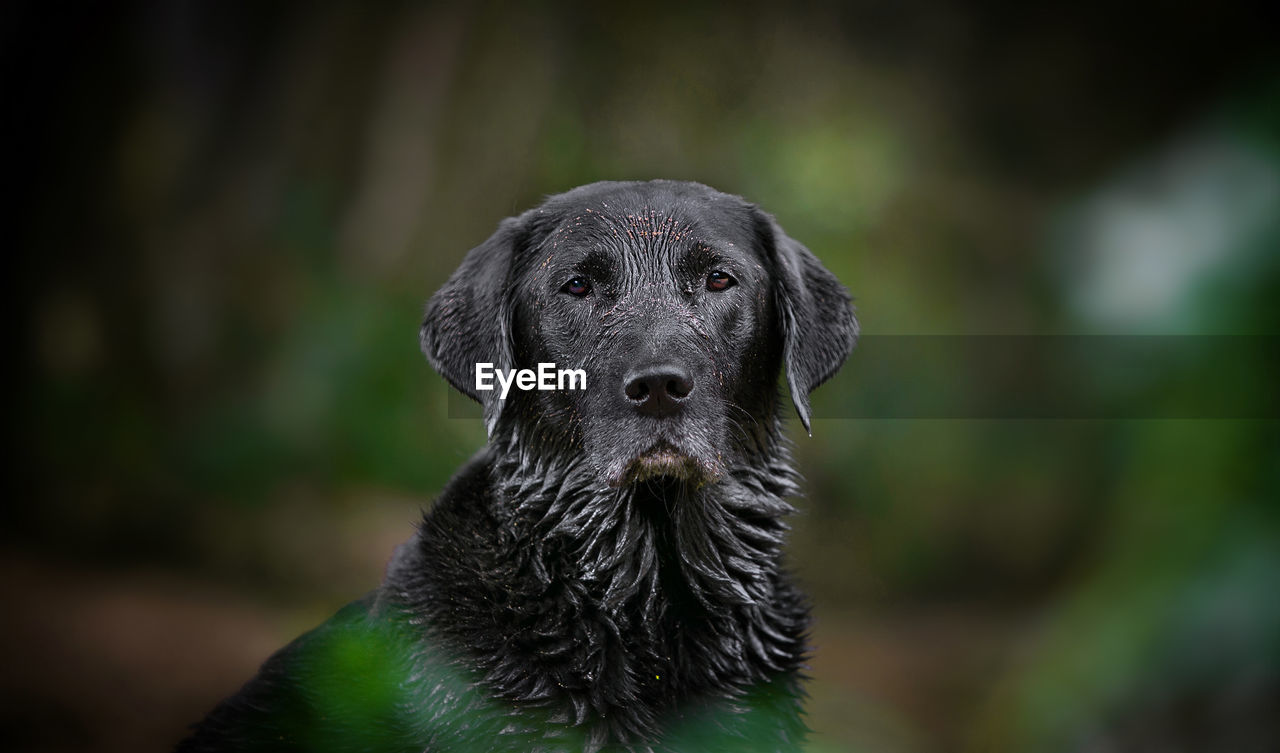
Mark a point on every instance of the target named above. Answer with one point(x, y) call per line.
point(232, 215)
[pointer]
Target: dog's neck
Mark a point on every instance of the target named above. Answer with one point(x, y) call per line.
point(636, 595)
point(550, 492)
point(629, 547)
point(609, 604)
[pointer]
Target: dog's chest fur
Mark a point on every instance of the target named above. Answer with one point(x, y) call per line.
point(617, 616)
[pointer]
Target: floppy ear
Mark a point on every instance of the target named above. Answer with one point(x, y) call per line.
point(815, 314)
point(468, 320)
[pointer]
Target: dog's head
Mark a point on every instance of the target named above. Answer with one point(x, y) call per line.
point(678, 302)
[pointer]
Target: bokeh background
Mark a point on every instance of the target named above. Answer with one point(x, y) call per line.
point(225, 219)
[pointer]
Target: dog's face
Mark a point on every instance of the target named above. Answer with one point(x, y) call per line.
point(667, 308)
point(679, 303)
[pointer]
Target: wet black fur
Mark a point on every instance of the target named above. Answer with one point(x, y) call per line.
point(561, 594)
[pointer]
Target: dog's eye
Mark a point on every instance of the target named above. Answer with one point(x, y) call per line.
point(719, 280)
point(577, 287)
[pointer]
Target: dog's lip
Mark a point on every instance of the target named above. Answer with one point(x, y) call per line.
point(662, 458)
point(662, 453)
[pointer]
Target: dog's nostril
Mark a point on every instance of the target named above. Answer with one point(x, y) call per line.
point(679, 387)
point(637, 390)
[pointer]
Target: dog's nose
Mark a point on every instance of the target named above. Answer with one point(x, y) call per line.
point(658, 389)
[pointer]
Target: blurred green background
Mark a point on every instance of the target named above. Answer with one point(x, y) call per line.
point(227, 217)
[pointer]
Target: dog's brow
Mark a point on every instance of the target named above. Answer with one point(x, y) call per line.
point(597, 264)
point(701, 254)
point(701, 257)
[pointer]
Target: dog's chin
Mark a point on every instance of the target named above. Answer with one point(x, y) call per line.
point(663, 461)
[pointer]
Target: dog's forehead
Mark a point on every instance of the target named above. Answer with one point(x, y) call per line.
point(657, 219)
point(645, 228)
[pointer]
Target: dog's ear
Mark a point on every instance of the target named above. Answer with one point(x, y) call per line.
point(468, 321)
point(815, 313)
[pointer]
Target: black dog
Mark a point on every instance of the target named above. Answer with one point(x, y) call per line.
point(605, 572)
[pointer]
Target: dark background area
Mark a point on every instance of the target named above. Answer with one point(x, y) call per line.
point(226, 219)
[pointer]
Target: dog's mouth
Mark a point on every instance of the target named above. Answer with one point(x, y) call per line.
point(664, 460)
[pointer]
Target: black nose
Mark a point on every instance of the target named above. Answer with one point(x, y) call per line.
point(658, 389)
